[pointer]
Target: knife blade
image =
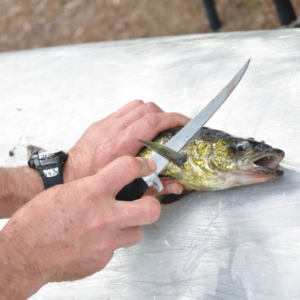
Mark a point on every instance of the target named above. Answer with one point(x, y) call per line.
point(138, 187)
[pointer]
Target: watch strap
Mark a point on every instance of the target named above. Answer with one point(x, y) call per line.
point(47, 172)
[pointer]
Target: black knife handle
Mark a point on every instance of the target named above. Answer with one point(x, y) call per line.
point(133, 191)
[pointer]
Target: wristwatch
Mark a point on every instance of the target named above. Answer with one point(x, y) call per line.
point(49, 164)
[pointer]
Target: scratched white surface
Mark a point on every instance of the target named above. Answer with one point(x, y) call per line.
point(242, 243)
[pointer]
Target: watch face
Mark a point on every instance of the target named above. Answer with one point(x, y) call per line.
point(50, 154)
point(41, 159)
point(50, 172)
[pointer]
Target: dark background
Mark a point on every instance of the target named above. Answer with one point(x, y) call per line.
point(28, 24)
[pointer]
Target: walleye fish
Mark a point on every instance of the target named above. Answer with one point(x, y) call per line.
point(214, 160)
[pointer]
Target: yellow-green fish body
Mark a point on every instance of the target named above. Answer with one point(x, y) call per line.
point(214, 160)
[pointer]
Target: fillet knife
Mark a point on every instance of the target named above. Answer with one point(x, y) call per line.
point(139, 186)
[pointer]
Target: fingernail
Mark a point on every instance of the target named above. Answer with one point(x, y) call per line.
point(172, 188)
point(151, 164)
point(185, 121)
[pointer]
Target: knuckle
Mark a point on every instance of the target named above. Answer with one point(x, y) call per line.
point(93, 126)
point(97, 223)
point(129, 164)
point(151, 106)
point(152, 119)
point(153, 210)
point(138, 101)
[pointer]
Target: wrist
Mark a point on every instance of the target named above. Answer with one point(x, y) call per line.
point(17, 187)
point(32, 182)
point(68, 170)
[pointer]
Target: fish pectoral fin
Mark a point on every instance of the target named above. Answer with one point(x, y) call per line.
point(169, 154)
point(170, 198)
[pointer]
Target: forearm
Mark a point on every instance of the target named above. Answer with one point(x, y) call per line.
point(16, 279)
point(13, 287)
point(17, 187)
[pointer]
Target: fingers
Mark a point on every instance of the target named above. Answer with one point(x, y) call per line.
point(141, 111)
point(139, 212)
point(127, 108)
point(170, 187)
point(130, 236)
point(118, 174)
point(148, 127)
point(123, 171)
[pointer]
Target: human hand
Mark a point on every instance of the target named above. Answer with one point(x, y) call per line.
point(103, 142)
point(71, 231)
point(116, 135)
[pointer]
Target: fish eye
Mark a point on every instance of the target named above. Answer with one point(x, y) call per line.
point(243, 146)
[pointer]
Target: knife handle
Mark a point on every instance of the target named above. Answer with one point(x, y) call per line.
point(133, 191)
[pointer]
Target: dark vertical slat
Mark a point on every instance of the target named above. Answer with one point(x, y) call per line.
point(285, 11)
point(212, 15)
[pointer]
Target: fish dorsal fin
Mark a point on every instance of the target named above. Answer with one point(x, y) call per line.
point(169, 154)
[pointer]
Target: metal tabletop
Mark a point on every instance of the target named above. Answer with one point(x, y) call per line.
point(242, 243)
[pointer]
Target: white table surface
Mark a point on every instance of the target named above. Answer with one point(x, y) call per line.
point(242, 243)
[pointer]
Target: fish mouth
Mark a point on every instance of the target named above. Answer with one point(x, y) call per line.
point(266, 165)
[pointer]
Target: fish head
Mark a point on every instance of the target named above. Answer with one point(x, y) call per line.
point(246, 161)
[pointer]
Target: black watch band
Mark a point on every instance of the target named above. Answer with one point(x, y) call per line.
point(51, 180)
point(50, 165)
